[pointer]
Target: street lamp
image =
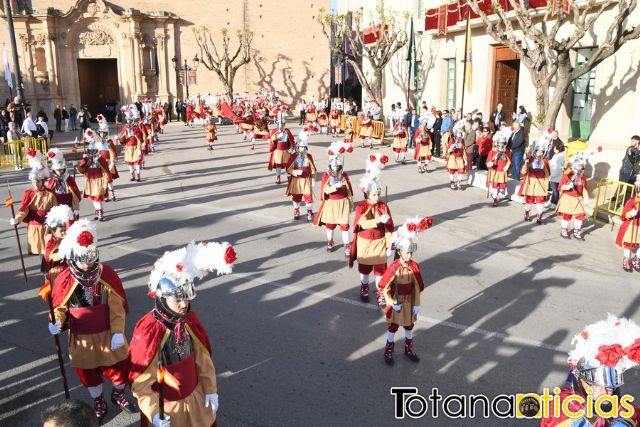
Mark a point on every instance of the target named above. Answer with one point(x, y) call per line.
point(185, 69)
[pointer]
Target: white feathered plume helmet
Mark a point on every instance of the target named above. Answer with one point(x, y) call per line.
point(181, 267)
point(501, 137)
point(39, 168)
point(604, 350)
point(581, 158)
point(57, 158)
point(338, 148)
point(405, 237)
point(103, 126)
point(80, 244)
point(373, 166)
point(59, 216)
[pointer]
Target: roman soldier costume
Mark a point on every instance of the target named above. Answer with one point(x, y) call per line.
point(336, 194)
point(323, 121)
point(498, 164)
point(246, 123)
point(302, 176)
point(281, 146)
point(170, 349)
point(535, 185)
point(61, 183)
point(573, 194)
point(35, 204)
point(456, 160)
point(89, 297)
point(399, 145)
point(58, 219)
point(422, 153)
point(401, 286)
point(372, 228)
point(96, 169)
point(334, 121)
point(211, 131)
point(260, 131)
point(366, 130)
point(132, 139)
point(108, 151)
point(311, 115)
point(629, 233)
point(348, 131)
point(601, 354)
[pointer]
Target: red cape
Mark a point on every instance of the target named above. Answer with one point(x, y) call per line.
point(147, 336)
point(626, 223)
point(272, 145)
point(417, 137)
point(28, 196)
point(391, 271)
point(360, 210)
point(323, 183)
point(65, 284)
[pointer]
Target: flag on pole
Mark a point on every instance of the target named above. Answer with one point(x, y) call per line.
point(7, 70)
point(467, 54)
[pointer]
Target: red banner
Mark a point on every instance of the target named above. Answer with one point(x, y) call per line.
point(373, 34)
point(442, 19)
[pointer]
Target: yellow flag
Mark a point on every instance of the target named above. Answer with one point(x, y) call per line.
point(467, 55)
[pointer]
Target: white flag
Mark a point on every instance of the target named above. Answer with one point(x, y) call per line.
point(7, 70)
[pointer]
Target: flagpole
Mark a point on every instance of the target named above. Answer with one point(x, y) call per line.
point(466, 47)
point(410, 60)
point(14, 50)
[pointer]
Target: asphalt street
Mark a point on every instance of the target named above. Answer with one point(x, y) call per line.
point(292, 343)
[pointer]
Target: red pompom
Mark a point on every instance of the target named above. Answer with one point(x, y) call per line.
point(89, 132)
point(341, 150)
point(599, 149)
point(85, 238)
point(51, 154)
point(179, 267)
point(549, 130)
point(31, 152)
point(411, 227)
point(609, 355)
point(330, 153)
point(372, 158)
point(151, 294)
point(633, 351)
point(230, 255)
point(584, 334)
point(384, 159)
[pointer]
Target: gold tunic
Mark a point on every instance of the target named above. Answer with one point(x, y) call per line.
point(42, 201)
point(371, 252)
point(404, 317)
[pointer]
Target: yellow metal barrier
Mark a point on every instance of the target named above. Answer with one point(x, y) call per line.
point(378, 127)
point(15, 152)
point(611, 196)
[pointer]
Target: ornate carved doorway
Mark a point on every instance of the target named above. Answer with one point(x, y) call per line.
point(98, 80)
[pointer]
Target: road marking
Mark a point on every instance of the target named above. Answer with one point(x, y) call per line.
point(229, 374)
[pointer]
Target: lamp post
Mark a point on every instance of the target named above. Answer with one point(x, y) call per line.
point(14, 50)
point(185, 69)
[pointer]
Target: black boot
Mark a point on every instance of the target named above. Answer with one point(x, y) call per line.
point(119, 398)
point(409, 351)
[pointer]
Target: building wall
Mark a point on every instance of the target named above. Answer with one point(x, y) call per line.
point(282, 58)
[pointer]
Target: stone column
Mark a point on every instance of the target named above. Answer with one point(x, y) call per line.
point(137, 38)
point(170, 41)
point(162, 65)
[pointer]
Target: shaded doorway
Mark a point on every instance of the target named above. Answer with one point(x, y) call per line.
point(99, 86)
point(505, 80)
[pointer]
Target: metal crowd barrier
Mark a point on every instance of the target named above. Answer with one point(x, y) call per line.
point(15, 152)
point(611, 196)
point(378, 126)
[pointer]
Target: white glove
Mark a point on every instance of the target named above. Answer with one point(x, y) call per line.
point(55, 328)
point(85, 156)
point(389, 252)
point(569, 186)
point(416, 309)
point(117, 341)
point(632, 213)
point(384, 218)
point(13, 221)
point(211, 400)
point(157, 422)
point(397, 307)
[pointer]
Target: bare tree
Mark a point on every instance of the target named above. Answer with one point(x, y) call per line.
point(392, 36)
point(545, 40)
point(224, 61)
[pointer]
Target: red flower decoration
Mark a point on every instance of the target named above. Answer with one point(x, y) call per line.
point(411, 227)
point(425, 223)
point(51, 154)
point(330, 153)
point(230, 255)
point(372, 158)
point(585, 334)
point(609, 355)
point(341, 150)
point(85, 238)
point(384, 159)
point(633, 351)
point(31, 152)
point(549, 130)
point(89, 132)
point(599, 149)
point(179, 267)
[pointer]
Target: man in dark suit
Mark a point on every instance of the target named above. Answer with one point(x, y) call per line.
point(516, 145)
point(497, 117)
point(167, 111)
point(178, 109)
point(555, 139)
point(414, 124)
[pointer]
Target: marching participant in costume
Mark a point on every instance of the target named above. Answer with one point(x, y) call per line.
point(400, 134)
point(108, 151)
point(422, 152)
point(348, 131)
point(498, 164)
point(334, 121)
point(281, 115)
point(601, 354)
point(260, 131)
point(59, 218)
point(171, 339)
point(148, 130)
point(535, 185)
point(246, 123)
point(90, 297)
point(372, 228)
point(131, 137)
point(456, 160)
point(336, 194)
point(281, 146)
point(573, 194)
point(96, 169)
point(323, 121)
point(35, 204)
point(211, 132)
point(311, 115)
point(629, 233)
point(366, 129)
point(61, 183)
point(401, 287)
point(302, 177)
